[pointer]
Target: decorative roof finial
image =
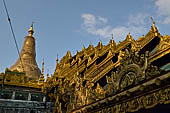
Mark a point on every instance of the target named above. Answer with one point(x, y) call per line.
point(31, 31)
point(43, 67)
point(90, 46)
point(41, 78)
point(90, 43)
point(112, 36)
point(83, 48)
point(57, 64)
point(112, 42)
point(57, 59)
point(152, 20)
point(48, 73)
point(100, 44)
point(68, 54)
point(100, 40)
point(153, 25)
point(129, 35)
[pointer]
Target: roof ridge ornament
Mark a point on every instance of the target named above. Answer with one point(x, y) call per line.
point(112, 42)
point(47, 73)
point(68, 54)
point(83, 48)
point(57, 59)
point(112, 36)
point(57, 64)
point(90, 46)
point(153, 24)
point(100, 44)
point(31, 30)
point(129, 37)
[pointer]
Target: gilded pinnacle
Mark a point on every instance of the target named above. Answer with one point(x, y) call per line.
point(152, 20)
point(57, 60)
point(112, 41)
point(153, 25)
point(31, 31)
point(43, 66)
point(129, 35)
point(83, 48)
point(90, 43)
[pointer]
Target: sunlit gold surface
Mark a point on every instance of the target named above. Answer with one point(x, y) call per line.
point(28, 58)
point(84, 66)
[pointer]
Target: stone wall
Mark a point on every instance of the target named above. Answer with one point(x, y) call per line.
point(21, 106)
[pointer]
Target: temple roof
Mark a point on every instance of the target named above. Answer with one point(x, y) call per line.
point(87, 60)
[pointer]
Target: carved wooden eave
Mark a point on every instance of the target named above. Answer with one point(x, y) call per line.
point(148, 87)
point(146, 95)
point(108, 68)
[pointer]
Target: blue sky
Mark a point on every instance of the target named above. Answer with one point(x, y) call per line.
point(62, 25)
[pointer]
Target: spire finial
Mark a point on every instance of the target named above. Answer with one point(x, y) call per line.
point(90, 43)
point(100, 44)
point(100, 40)
point(43, 66)
point(83, 48)
point(57, 64)
point(112, 36)
point(31, 31)
point(112, 42)
point(153, 24)
point(152, 20)
point(57, 59)
point(129, 35)
point(48, 73)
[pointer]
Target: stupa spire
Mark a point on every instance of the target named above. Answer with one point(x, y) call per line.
point(28, 57)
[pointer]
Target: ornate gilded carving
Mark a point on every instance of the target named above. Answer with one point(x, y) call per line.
point(16, 78)
point(164, 43)
point(99, 91)
point(135, 104)
point(132, 69)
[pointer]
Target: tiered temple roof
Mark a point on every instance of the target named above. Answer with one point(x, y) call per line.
point(96, 73)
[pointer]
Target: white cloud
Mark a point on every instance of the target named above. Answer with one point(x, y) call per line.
point(97, 25)
point(138, 19)
point(136, 23)
point(166, 20)
point(163, 7)
point(122, 31)
point(89, 20)
point(102, 20)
